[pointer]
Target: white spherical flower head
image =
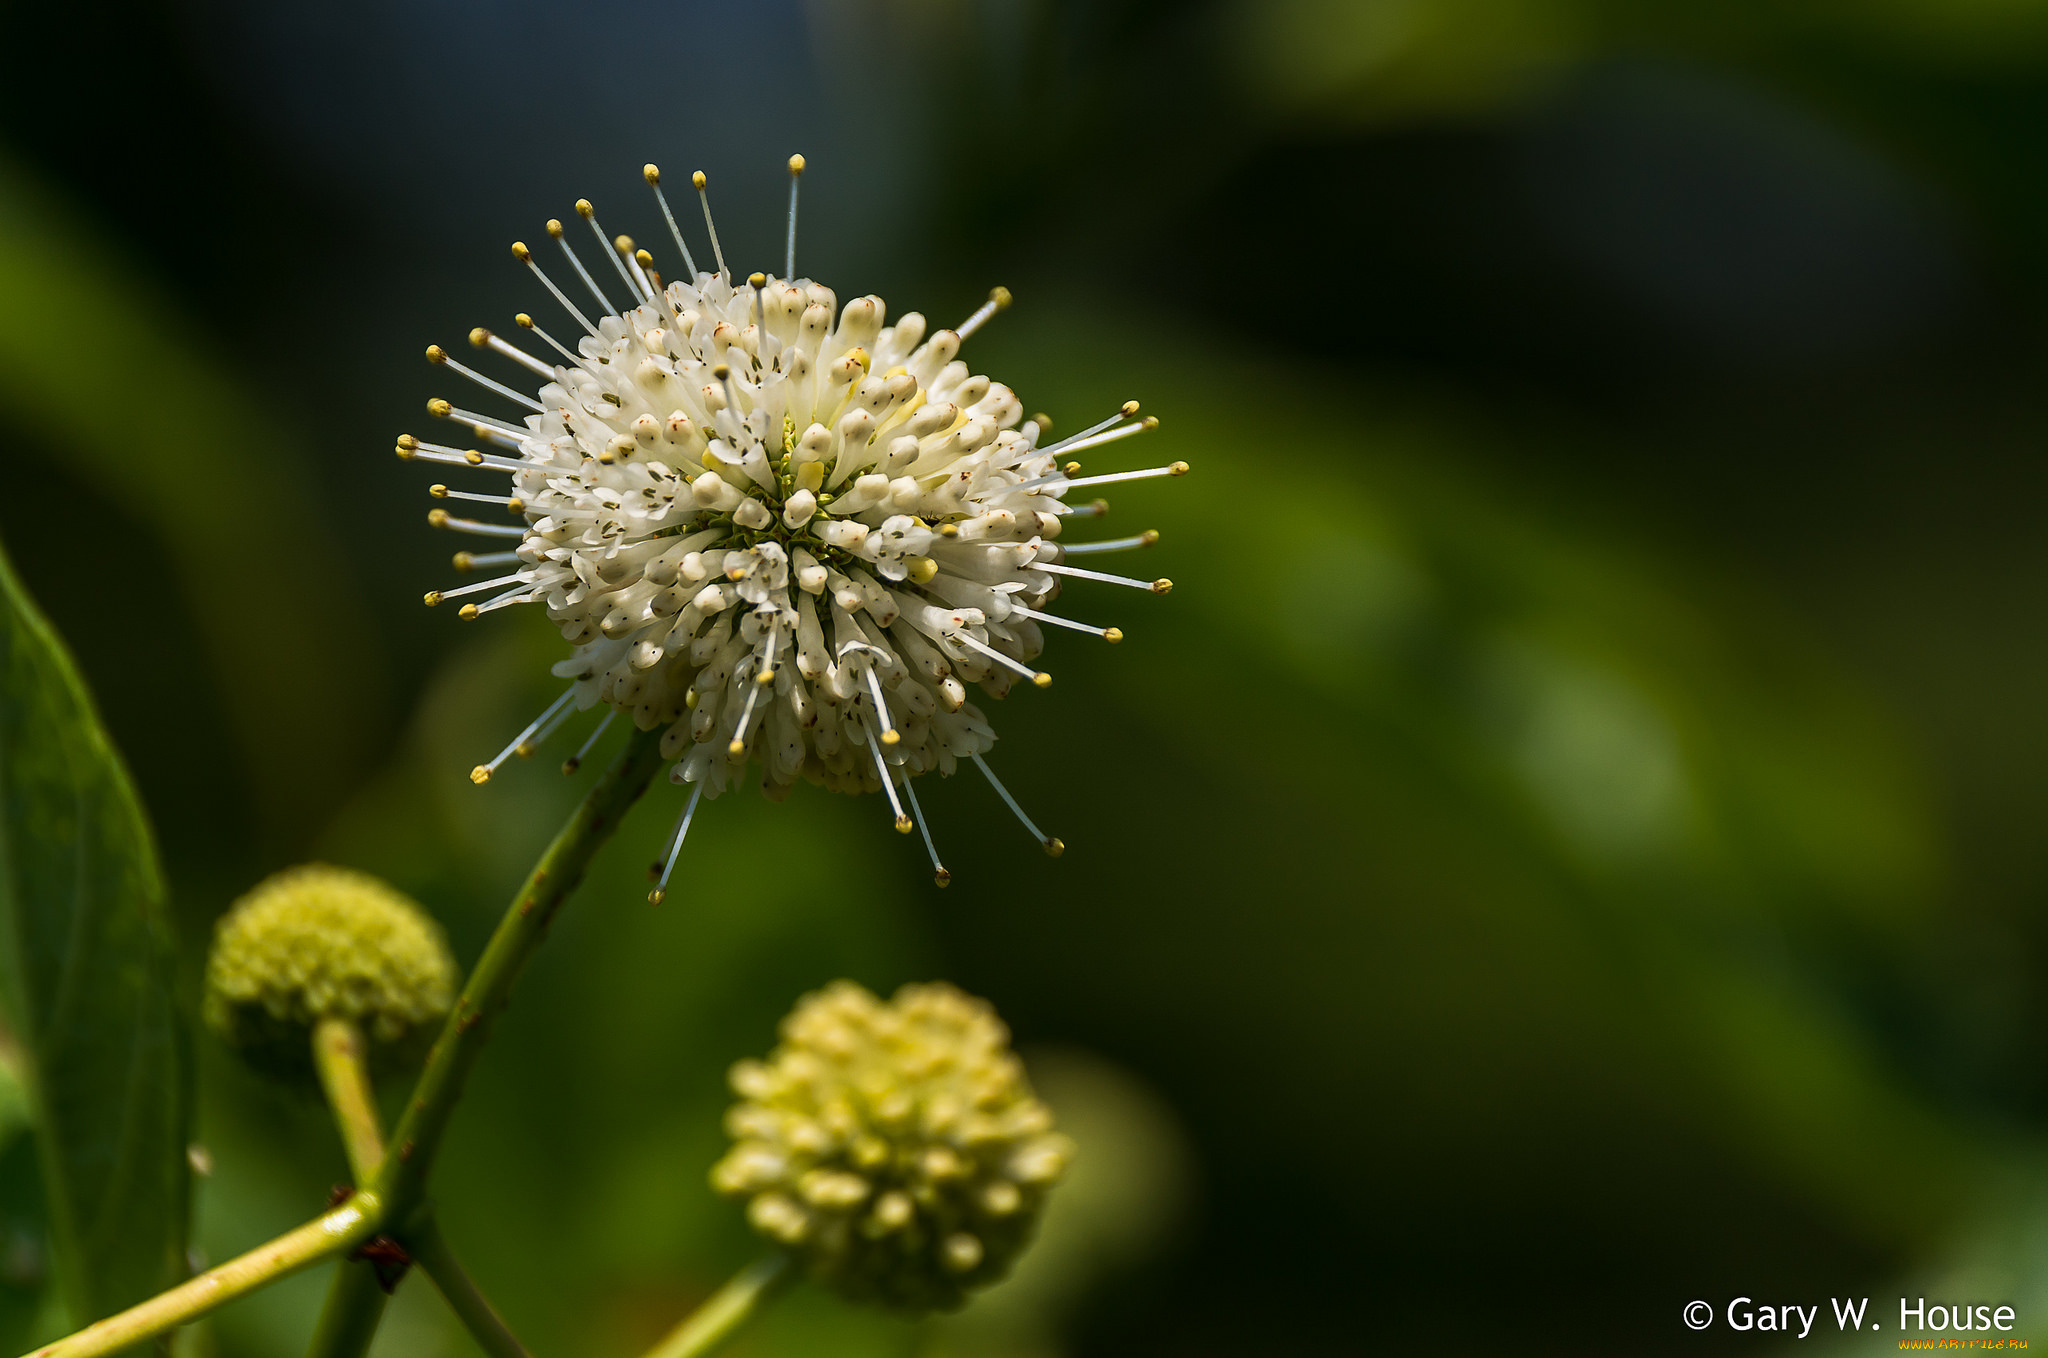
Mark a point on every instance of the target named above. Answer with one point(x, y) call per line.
point(788, 533)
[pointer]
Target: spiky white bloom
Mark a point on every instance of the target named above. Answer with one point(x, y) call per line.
point(787, 532)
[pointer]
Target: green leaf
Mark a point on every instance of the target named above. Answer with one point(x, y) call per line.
point(86, 980)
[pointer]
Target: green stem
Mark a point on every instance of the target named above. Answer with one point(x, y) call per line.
point(430, 1251)
point(403, 1179)
point(341, 1056)
point(354, 1309)
point(724, 1311)
point(337, 1232)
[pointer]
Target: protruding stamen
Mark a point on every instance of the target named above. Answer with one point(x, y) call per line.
point(485, 426)
point(1107, 478)
point(667, 864)
point(998, 300)
point(436, 354)
point(889, 733)
point(634, 260)
point(575, 761)
point(738, 748)
point(1160, 586)
point(1144, 539)
point(1038, 677)
point(518, 594)
point(441, 518)
point(444, 493)
point(796, 172)
point(888, 783)
point(1109, 634)
point(604, 246)
point(525, 322)
point(699, 181)
point(653, 176)
point(484, 339)
point(939, 874)
point(412, 449)
point(525, 256)
point(1124, 412)
point(482, 773)
point(603, 302)
point(1053, 847)
point(435, 596)
point(475, 561)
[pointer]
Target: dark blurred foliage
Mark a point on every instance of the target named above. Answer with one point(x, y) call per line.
point(1567, 846)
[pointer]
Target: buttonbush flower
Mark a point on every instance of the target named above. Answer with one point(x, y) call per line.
point(895, 1148)
point(787, 532)
point(318, 942)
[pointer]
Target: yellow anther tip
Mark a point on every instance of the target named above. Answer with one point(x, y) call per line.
point(520, 252)
point(892, 736)
point(468, 613)
point(651, 172)
point(584, 209)
point(941, 878)
point(439, 408)
point(1044, 423)
point(757, 280)
point(721, 372)
point(437, 518)
point(473, 458)
point(903, 826)
point(656, 896)
point(433, 597)
point(524, 749)
point(438, 491)
point(1042, 679)
point(479, 337)
point(1162, 586)
point(436, 354)
point(523, 321)
point(1148, 537)
point(765, 678)
point(462, 561)
point(1112, 635)
point(480, 775)
point(623, 244)
point(1055, 847)
point(698, 181)
point(408, 442)
point(1130, 408)
point(796, 164)
point(570, 765)
point(737, 748)
point(1178, 469)
point(1000, 296)
point(555, 228)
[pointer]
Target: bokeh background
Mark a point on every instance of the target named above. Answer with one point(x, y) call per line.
point(1568, 846)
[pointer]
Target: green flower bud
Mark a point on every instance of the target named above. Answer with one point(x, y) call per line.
point(895, 1148)
point(319, 942)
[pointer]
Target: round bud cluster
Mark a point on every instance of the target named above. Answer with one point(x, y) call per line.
point(896, 1148)
point(318, 942)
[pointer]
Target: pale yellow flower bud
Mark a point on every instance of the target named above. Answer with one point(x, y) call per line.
point(895, 1148)
point(318, 942)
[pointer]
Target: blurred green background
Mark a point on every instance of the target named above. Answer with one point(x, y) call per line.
point(1568, 845)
